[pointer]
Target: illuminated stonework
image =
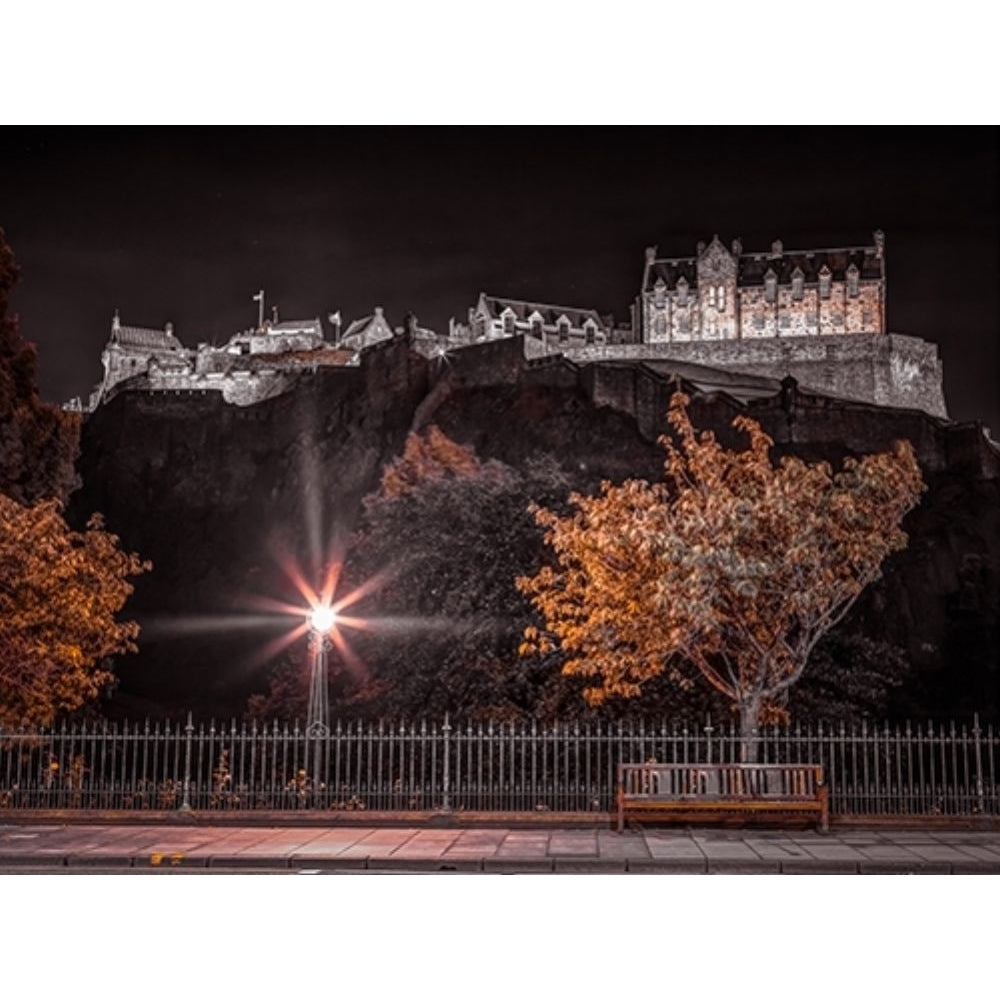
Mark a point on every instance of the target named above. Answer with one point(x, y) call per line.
point(726, 294)
point(816, 315)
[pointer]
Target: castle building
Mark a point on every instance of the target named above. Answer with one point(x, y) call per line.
point(557, 328)
point(726, 294)
point(816, 315)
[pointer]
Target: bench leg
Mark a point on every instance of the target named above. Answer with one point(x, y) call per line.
point(824, 816)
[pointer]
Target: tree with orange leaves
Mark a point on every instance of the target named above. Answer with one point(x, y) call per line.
point(732, 566)
point(60, 591)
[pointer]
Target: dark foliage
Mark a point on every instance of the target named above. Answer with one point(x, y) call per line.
point(38, 442)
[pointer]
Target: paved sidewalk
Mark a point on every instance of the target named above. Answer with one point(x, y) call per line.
point(47, 847)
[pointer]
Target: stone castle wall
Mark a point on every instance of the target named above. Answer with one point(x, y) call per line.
point(884, 369)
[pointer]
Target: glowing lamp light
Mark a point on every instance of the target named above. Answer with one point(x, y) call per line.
point(322, 619)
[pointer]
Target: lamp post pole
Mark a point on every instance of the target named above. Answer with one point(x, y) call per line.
point(317, 717)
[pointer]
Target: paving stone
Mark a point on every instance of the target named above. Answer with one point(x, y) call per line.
point(573, 843)
point(611, 845)
point(975, 867)
point(668, 866)
point(520, 865)
point(107, 859)
point(379, 843)
point(729, 852)
point(427, 844)
point(669, 852)
point(248, 861)
point(397, 863)
point(913, 867)
point(521, 844)
point(817, 866)
point(743, 866)
point(325, 862)
point(835, 854)
point(980, 852)
point(887, 852)
point(939, 852)
point(26, 859)
point(590, 865)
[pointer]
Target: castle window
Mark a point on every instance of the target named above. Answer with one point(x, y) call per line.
point(798, 281)
point(722, 297)
point(852, 281)
point(508, 323)
point(661, 325)
point(867, 317)
point(590, 334)
point(682, 292)
point(684, 325)
point(838, 319)
point(758, 321)
point(659, 292)
point(824, 282)
point(711, 295)
point(770, 286)
point(536, 328)
point(785, 321)
point(563, 332)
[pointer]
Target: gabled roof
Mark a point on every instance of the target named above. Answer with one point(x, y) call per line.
point(356, 333)
point(751, 267)
point(550, 314)
point(137, 336)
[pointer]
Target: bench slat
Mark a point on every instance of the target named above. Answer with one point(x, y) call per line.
point(666, 788)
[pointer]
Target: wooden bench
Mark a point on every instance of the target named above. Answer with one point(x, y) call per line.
point(695, 792)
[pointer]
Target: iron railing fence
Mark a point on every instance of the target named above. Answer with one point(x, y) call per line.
point(912, 769)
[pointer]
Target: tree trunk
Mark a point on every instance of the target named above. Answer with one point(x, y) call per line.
point(749, 716)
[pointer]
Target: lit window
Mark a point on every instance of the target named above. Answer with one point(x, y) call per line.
point(659, 292)
point(661, 325)
point(798, 282)
point(508, 323)
point(785, 321)
point(711, 295)
point(682, 292)
point(722, 297)
point(824, 282)
point(867, 318)
point(852, 280)
point(770, 286)
point(758, 321)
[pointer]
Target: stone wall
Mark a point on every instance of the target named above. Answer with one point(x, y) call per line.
point(884, 369)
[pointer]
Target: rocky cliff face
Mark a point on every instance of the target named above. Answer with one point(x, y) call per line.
point(213, 494)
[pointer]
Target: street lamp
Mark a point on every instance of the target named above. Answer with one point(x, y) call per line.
point(322, 618)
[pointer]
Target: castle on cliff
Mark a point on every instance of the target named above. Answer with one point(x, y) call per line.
point(816, 315)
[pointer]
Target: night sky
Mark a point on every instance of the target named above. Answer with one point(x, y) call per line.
point(185, 225)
